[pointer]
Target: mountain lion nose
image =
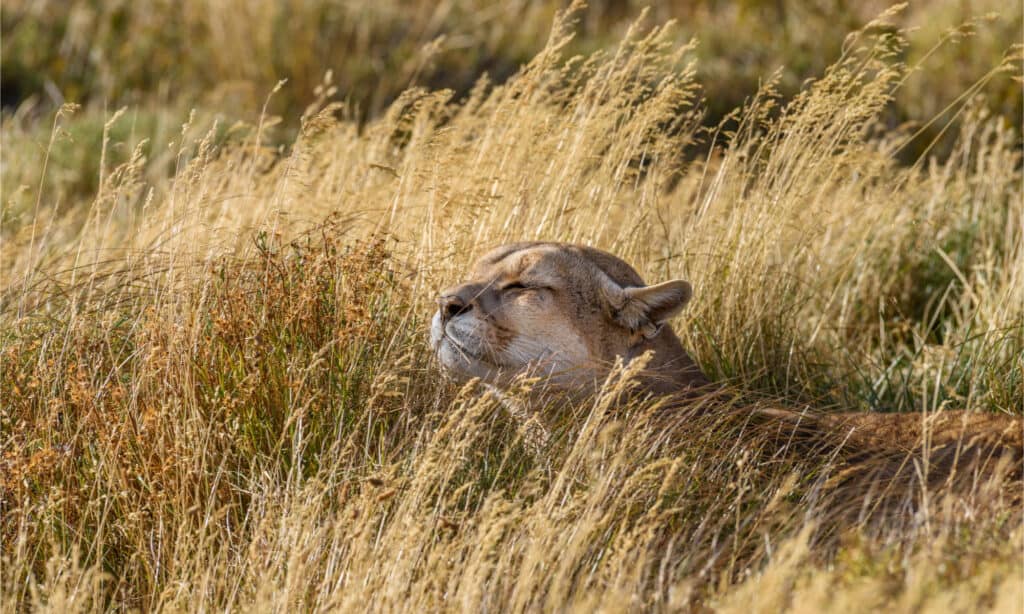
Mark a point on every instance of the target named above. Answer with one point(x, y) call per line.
point(452, 305)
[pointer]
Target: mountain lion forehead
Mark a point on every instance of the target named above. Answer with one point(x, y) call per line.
point(506, 252)
point(538, 261)
point(565, 260)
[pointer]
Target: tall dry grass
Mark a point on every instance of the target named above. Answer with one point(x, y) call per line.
point(217, 391)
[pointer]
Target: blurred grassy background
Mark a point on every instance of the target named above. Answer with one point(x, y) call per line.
point(229, 54)
point(223, 60)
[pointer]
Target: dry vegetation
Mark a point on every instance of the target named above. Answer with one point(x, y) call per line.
point(216, 390)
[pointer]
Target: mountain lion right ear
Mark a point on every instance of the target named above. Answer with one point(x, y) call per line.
point(646, 308)
point(663, 301)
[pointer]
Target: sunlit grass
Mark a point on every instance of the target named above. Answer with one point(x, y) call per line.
point(217, 390)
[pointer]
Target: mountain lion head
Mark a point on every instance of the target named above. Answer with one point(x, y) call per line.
point(563, 312)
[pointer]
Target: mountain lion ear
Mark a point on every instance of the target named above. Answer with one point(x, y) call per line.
point(663, 301)
point(644, 309)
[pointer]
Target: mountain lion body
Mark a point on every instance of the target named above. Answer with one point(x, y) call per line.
point(568, 313)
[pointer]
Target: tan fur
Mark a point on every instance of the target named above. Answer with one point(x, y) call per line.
point(570, 312)
point(579, 310)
